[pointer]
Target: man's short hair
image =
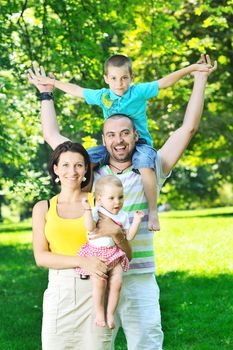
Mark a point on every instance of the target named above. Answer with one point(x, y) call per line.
point(119, 116)
point(118, 61)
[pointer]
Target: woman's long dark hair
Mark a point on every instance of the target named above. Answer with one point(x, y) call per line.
point(74, 147)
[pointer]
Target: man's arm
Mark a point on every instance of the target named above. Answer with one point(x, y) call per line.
point(50, 128)
point(51, 132)
point(174, 147)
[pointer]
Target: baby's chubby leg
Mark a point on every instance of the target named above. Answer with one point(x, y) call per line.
point(99, 288)
point(114, 285)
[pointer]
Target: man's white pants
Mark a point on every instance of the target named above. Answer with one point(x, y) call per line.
point(138, 313)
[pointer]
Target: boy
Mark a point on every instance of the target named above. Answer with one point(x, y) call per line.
point(124, 98)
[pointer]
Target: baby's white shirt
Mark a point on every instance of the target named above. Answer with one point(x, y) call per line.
point(121, 217)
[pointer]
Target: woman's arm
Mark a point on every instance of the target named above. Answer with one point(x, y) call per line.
point(44, 258)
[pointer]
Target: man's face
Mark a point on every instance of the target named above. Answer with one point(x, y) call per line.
point(118, 79)
point(119, 138)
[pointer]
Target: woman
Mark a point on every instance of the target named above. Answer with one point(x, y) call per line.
point(58, 233)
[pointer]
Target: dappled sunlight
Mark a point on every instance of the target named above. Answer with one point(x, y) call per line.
point(16, 234)
point(222, 211)
point(12, 238)
point(194, 307)
point(21, 288)
point(199, 245)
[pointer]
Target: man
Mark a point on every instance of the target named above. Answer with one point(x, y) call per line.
point(138, 311)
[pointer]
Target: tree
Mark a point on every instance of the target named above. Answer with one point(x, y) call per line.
point(73, 39)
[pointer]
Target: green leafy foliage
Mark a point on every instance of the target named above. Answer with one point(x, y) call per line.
point(73, 39)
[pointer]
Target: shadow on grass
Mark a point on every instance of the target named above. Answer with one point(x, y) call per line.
point(193, 217)
point(21, 288)
point(15, 229)
point(197, 312)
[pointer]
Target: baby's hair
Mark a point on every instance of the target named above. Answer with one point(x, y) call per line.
point(106, 180)
point(118, 61)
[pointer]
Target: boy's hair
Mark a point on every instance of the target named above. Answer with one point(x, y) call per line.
point(118, 61)
point(106, 180)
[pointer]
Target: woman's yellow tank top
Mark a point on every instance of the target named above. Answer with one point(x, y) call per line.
point(65, 236)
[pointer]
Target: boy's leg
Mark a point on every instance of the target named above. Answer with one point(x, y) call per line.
point(150, 187)
point(114, 285)
point(98, 155)
point(144, 161)
point(99, 288)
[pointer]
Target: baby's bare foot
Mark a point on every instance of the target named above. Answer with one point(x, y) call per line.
point(100, 320)
point(110, 321)
point(153, 221)
point(100, 323)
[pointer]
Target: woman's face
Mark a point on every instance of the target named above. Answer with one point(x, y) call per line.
point(70, 169)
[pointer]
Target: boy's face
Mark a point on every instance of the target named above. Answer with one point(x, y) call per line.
point(118, 79)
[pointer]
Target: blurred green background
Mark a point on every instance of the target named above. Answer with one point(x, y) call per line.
point(73, 39)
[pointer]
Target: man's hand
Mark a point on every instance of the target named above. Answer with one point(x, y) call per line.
point(37, 73)
point(204, 61)
point(43, 80)
point(106, 227)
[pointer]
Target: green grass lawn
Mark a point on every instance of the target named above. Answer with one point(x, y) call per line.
point(194, 270)
point(194, 255)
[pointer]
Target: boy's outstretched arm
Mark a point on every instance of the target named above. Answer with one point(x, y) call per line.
point(174, 147)
point(174, 77)
point(51, 132)
point(69, 88)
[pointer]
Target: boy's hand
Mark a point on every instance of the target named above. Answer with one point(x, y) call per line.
point(206, 61)
point(34, 76)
